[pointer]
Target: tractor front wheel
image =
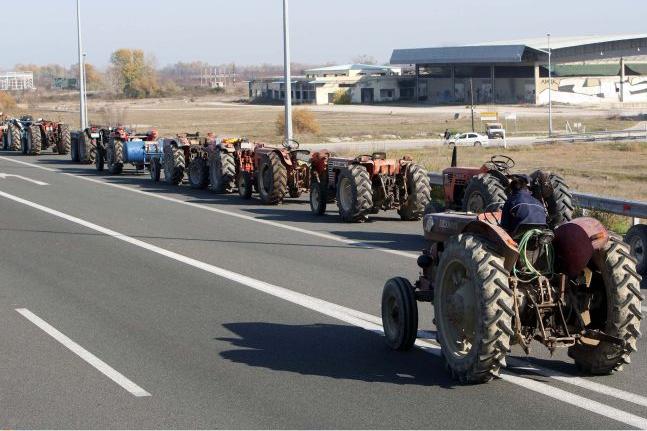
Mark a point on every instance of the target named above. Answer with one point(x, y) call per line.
point(14, 138)
point(419, 193)
point(473, 309)
point(65, 140)
point(245, 185)
point(354, 194)
point(318, 195)
point(272, 180)
point(637, 239)
point(484, 193)
point(155, 169)
point(74, 148)
point(618, 313)
point(115, 157)
point(399, 314)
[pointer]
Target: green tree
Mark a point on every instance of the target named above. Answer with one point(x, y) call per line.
point(134, 74)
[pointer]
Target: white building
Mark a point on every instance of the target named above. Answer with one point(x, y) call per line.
point(14, 81)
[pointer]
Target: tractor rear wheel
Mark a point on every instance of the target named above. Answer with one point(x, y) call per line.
point(14, 138)
point(419, 193)
point(245, 185)
point(198, 173)
point(173, 165)
point(155, 169)
point(222, 171)
point(318, 195)
point(35, 140)
point(115, 156)
point(272, 180)
point(560, 203)
point(399, 314)
point(473, 309)
point(65, 140)
point(637, 239)
point(618, 314)
point(484, 192)
point(354, 194)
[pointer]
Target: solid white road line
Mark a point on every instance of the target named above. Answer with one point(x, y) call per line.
point(343, 314)
point(88, 357)
point(38, 183)
point(322, 235)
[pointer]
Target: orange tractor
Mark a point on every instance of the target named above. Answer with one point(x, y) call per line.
point(277, 172)
point(485, 189)
point(367, 184)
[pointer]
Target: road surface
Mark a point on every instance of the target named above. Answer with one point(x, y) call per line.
point(129, 304)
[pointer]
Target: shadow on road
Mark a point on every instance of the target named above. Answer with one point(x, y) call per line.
point(396, 241)
point(336, 351)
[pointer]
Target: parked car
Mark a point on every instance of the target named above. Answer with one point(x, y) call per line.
point(495, 130)
point(471, 139)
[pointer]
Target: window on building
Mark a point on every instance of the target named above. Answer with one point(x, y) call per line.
point(345, 85)
point(305, 95)
point(312, 95)
point(387, 93)
point(282, 94)
point(298, 95)
point(406, 93)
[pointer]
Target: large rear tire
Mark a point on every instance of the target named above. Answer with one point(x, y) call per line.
point(65, 141)
point(560, 203)
point(619, 314)
point(222, 171)
point(354, 194)
point(399, 314)
point(272, 180)
point(198, 173)
point(35, 140)
point(14, 138)
point(174, 165)
point(419, 195)
point(637, 239)
point(473, 309)
point(484, 192)
point(115, 156)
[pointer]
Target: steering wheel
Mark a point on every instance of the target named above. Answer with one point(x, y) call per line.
point(502, 163)
point(291, 144)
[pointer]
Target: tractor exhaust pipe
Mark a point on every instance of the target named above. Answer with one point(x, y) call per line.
point(454, 158)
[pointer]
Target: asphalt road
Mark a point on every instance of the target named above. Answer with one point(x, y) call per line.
point(129, 304)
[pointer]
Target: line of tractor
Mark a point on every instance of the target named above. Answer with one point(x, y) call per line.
point(507, 263)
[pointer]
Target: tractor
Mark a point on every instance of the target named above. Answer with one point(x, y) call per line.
point(177, 156)
point(42, 134)
point(484, 189)
point(574, 286)
point(219, 163)
point(85, 142)
point(123, 146)
point(367, 184)
point(13, 134)
point(277, 172)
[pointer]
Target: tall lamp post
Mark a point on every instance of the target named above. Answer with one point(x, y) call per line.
point(287, 77)
point(550, 90)
point(82, 109)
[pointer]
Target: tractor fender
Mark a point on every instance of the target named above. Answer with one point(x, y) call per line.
point(285, 157)
point(502, 241)
point(576, 242)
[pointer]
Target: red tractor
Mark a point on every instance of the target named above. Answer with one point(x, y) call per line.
point(176, 155)
point(484, 189)
point(573, 287)
point(367, 184)
point(85, 142)
point(279, 172)
point(219, 163)
point(43, 134)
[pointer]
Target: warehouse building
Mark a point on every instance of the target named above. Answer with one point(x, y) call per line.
point(585, 70)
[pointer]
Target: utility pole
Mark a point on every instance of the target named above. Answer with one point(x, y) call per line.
point(83, 120)
point(550, 90)
point(85, 97)
point(472, 102)
point(287, 78)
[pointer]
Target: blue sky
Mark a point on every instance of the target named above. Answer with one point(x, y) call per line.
point(249, 31)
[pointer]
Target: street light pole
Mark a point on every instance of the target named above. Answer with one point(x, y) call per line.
point(81, 68)
point(550, 90)
point(85, 96)
point(287, 77)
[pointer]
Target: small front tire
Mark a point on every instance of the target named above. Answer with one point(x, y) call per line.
point(399, 314)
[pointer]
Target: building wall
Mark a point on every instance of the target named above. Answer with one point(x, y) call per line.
point(593, 90)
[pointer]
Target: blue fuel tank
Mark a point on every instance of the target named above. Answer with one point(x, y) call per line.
point(134, 152)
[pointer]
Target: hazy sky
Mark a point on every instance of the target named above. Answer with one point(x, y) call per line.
point(249, 31)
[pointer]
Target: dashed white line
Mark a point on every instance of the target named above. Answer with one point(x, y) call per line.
point(344, 314)
point(88, 357)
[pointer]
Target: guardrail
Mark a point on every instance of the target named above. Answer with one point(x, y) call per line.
point(625, 207)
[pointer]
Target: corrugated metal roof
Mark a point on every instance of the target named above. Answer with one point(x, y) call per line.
point(564, 41)
point(460, 54)
point(346, 67)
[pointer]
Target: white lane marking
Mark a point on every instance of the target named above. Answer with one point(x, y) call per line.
point(88, 357)
point(344, 314)
point(38, 183)
point(322, 235)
